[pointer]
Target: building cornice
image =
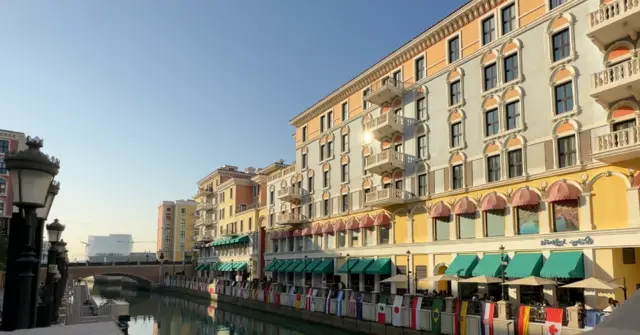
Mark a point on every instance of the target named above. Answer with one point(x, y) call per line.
point(450, 24)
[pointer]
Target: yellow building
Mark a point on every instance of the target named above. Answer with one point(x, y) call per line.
point(471, 139)
point(176, 231)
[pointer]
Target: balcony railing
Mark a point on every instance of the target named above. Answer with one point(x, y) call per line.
point(617, 146)
point(386, 92)
point(617, 82)
point(385, 125)
point(204, 238)
point(384, 197)
point(385, 161)
point(242, 208)
point(203, 222)
point(290, 193)
point(614, 21)
point(290, 219)
point(205, 206)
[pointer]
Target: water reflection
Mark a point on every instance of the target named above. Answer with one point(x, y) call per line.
point(167, 315)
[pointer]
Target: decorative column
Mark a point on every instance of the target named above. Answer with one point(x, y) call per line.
point(410, 228)
point(509, 228)
point(633, 204)
point(431, 260)
point(544, 215)
point(586, 221)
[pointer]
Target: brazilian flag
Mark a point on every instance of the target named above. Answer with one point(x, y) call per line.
point(436, 313)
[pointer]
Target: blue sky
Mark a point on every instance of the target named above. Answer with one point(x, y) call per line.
point(140, 99)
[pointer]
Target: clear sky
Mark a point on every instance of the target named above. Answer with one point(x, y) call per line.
point(140, 99)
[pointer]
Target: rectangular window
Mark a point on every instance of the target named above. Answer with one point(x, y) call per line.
point(304, 161)
point(513, 115)
point(564, 98)
point(628, 256)
point(456, 177)
point(344, 144)
point(508, 19)
point(493, 168)
point(322, 148)
point(310, 210)
point(454, 49)
point(419, 68)
point(488, 30)
point(511, 68)
point(331, 240)
point(422, 185)
point(310, 184)
point(454, 93)
point(383, 237)
point(344, 175)
point(345, 202)
point(492, 122)
point(329, 149)
point(397, 78)
point(561, 45)
point(325, 179)
point(250, 225)
point(322, 123)
point(456, 135)
point(565, 215)
point(514, 158)
point(4, 146)
point(494, 222)
point(466, 226)
point(366, 92)
point(304, 134)
point(490, 77)
point(442, 228)
point(342, 239)
point(329, 120)
point(555, 3)
point(567, 151)
point(422, 147)
point(345, 111)
point(325, 207)
point(271, 197)
point(421, 109)
point(368, 237)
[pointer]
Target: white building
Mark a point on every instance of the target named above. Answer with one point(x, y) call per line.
point(119, 244)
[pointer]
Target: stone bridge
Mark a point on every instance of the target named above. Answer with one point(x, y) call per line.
point(145, 273)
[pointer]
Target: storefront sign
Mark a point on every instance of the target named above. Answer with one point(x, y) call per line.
point(563, 242)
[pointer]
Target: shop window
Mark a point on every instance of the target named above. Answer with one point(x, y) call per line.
point(384, 235)
point(342, 239)
point(331, 240)
point(369, 236)
point(442, 228)
point(308, 242)
point(355, 237)
point(494, 222)
point(466, 226)
point(527, 220)
point(290, 246)
point(628, 256)
point(565, 215)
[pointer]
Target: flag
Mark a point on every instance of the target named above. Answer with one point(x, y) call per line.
point(435, 316)
point(212, 289)
point(523, 320)
point(381, 313)
point(463, 317)
point(553, 324)
point(352, 306)
point(298, 301)
point(339, 303)
point(277, 296)
point(312, 306)
point(415, 312)
point(267, 292)
point(487, 318)
point(359, 307)
point(327, 302)
point(592, 320)
point(456, 317)
point(396, 319)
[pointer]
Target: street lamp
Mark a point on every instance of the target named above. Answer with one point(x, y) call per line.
point(31, 173)
point(62, 262)
point(54, 232)
point(502, 264)
point(408, 280)
point(304, 275)
point(348, 271)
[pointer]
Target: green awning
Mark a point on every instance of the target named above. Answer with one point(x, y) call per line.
point(270, 267)
point(199, 267)
point(381, 266)
point(281, 265)
point(292, 265)
point(217, 266)
point(224, 266)
point(325, 267)
point(524, 265)
point(300, 267)
point(241, 239)
point(362, 265)
point(568, 264)
point(348, 266)
point(205, 267)
point(462, 265)
point(240, 266)
point(489, 265)
point(312, 265)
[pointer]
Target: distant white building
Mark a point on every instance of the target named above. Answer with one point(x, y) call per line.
point(113, 244)
point(44, 253)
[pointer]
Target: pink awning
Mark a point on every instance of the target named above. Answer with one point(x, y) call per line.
point(366, 222)
point(464, 206)
point(382, 219)
point(524, 196)
point(493, 201)
point(561, 190)
point(353, 224)
point(440, 210)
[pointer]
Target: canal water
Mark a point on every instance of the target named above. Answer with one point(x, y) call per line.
point(155, 314)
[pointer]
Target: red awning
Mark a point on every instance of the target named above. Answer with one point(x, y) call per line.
point(339, 226)
point(561, 190)
point(284, 234)
point(493, 201)
point(353, 224)
point(297, 233)
point(440, 210)
point(524, 196)
point(366, 222)
point(306, 231)
point(464, 206)
point(275, 235)
point(327, 227)
point(317, 229)
point(382, 219)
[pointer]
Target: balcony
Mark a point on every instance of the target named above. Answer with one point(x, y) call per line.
point(204, 192)
point(385, 161)
point(384, 125)
point(617, 82)
point(290, 193)
point(385, 197)
point(386, 92)
point(204, 238)
point(614, 21)
point(290, 219)
point(205, 206)
point(203, 222)
point(618, 146)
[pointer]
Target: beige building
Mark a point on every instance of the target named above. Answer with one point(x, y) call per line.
point(176, 220)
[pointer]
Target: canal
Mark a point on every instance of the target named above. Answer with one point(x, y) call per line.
point(155, 314)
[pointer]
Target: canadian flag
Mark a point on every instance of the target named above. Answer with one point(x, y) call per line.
point(396, 320)
point(553, 324)
point(381, 313)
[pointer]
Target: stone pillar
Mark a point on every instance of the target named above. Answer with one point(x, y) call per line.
point(586, 221)
point(376, 283)
point(430, 230)
point(572, 317)
point(410, 229)
point(509, 228)
point(590, 297)
point(633, 204)
point(449, 304)
point(431, 259)
point(393, 285)
point(454, 285)
point(544, 215)
point(479, 225)
point(361, 283)
point(453, 229)
point(502, 309)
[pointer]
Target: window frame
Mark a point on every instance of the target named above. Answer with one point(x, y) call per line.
point(491, 170)
point(454, 179)
point(508, 71)
point(565, 44)
point(421, 148)
point(344, 111)
point(514, 23)
point(453, 136)
point(492, 18)
point(456, 51)
point(510, 165)
point(564, 99)
point(421, 113)
point(494, 65)
point(569, 138)
point(416, 69)
point(488, 132)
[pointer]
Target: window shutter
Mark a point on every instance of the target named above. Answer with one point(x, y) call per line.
point(421, 271)
point(401, 269)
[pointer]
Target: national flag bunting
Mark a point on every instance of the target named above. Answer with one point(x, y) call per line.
point(415, 312)
point(456, 317)
point(463, 317)
point(396, 320)
point(553, 323)
point(339, 303)
point(436, 325)
point(327, 302)
point(523, 320)
point(487, 318)
point(381, 313)
point(359, 307)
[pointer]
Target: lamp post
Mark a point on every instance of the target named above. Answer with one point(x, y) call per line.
point(502, 264)
point(304, 275)
point(348, 271)
point(62, 261)
point(32, 174)
point(408, 280)
point(54, 232)
point(161, 257)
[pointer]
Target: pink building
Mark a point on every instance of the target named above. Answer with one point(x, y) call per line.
point(9, 141)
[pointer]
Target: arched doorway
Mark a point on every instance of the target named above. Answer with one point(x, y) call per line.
point(442, 285)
